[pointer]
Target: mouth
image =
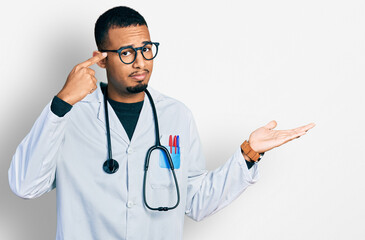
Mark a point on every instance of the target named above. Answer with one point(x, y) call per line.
point(139, 76)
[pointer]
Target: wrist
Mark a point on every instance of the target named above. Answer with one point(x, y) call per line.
point(245, 156)
point(65, 97)
point(249, 153)
point(60, 107)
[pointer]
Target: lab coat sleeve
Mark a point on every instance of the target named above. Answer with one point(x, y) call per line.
point(33, 167)
point(210, 191)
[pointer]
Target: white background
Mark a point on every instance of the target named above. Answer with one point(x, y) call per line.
point(237, 65)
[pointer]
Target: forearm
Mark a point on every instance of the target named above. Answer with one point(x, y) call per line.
point(60, 107)
point(32, 170)
point(221, 186)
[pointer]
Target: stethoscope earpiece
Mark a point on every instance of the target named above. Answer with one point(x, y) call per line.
point(110, 166)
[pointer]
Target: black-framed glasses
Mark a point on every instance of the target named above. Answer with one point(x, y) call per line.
point(128, 54)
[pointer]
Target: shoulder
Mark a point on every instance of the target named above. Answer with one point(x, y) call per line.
point(163, 101)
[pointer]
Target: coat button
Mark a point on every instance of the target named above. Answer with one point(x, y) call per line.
point(130, 204)
point(129, 150)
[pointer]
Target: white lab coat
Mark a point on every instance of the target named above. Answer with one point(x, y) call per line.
point(67, 153)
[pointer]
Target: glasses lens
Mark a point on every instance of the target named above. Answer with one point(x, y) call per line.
point(149, 51)
point(127, 55)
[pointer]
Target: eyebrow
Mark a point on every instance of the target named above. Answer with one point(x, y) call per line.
point(144, 42)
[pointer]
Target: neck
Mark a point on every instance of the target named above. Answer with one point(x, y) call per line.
point(124, 97)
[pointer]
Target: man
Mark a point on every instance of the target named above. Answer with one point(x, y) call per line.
point(69, 144)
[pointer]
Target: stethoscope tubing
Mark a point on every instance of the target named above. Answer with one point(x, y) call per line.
point(149, 152)
point(110, 166)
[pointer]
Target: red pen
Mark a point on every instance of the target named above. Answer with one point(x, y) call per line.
point(170, 143)
point(175, 143)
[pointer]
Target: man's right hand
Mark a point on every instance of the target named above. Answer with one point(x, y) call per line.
point(81, 81)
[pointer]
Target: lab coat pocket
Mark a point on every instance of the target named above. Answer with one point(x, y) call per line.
point(161, 175)
point(174, 155)
point(159, 171)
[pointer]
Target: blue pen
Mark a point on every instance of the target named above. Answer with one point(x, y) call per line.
point(178, 144)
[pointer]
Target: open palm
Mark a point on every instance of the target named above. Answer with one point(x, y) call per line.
point(265, 138)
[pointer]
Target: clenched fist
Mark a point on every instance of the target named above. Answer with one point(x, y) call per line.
point(81, 81)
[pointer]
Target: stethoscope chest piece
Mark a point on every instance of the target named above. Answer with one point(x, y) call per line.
point(110, 166)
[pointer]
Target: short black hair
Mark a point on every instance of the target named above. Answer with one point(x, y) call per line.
point(116, 17)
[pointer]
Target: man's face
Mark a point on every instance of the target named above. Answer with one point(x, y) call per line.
point(126, 79)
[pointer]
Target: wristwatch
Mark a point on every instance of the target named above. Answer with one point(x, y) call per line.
point(246, 149)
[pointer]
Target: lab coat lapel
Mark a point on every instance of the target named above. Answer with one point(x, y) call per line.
point(145, 121)
point(114, 122)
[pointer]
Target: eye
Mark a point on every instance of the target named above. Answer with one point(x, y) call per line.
point(146, 49)
point(126, 52)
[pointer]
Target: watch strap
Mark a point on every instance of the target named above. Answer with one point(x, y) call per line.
point(246, 149)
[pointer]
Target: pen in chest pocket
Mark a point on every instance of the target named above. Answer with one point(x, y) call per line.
point(178, 144)
point(174, 142)
point(170, 143)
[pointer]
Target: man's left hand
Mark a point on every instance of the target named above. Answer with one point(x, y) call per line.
point(265, 138)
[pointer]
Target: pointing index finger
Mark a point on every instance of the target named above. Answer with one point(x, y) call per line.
point(93, 60)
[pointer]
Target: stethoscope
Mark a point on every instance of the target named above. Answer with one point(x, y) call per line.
point(111, 166)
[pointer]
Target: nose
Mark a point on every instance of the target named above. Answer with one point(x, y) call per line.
point(140, 61)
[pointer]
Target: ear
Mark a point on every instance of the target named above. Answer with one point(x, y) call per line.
point(102, 62)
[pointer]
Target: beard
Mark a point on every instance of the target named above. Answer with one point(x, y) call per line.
point(137, 89)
